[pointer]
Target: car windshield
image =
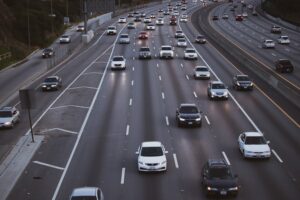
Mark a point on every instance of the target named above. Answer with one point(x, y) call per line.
point(201, 69)
point(190, 51)
point(124, 36)
point(285, 62)
point(144, 49)
point(84, 198)
point(181, 40)
point(242, 78)
point(151, 151)
point(4, 114)
point(284, 37)
point(47, 50)
point(50, 80)
point(200, 37)
point(65, 36)
point(188, 109)
point(218, 86)
point(219, 172)
point(111, 28)
point(255, 140)
point(119, 58)
point(166, 48)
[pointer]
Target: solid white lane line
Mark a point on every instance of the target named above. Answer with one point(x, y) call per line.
point(130, 102)
point(127, 130)
point(277, 156)
point(48, 165)
point(225, 157)
point(132, 82)
point(58, 129)
point(123, 176)
point(206, 118)
point(175, 160)
point(195, 95)
point(66, 106)
point(167, 120)
point(187, 77)
point(82, 87)
point(159, 77)
point(163, 95)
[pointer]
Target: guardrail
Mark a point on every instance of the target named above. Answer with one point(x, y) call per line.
point(5, 56)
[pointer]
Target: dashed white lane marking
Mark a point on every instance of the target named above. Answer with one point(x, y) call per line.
point(175, 160)
point(187, 77)
point(157, 65)
point(123, 175)
point(277, 156)
point(133, 58)
point(101, 62)
point(288, 50)
point(273, 54)
point(181, 65)
point(225, 157)
point(176, 55)
point(58, 129)
point(66, 106)
point(195, 95)
point(206, 118)
point(167, 121)
point(132, 68)
point(163, 95)
point(82, 87)
point(134, 43)
point(130, 102)
point(159, 77)
point(133, 50)
point(154, 47)
point(127, 129)
point(132, 83)
point(48, 165)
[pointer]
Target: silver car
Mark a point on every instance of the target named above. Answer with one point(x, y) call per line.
point(9, 116)
point(124, 39)
point(268, 44)
point(217, 90)
point(201, 72)
point(87, 193)
point(181, 42)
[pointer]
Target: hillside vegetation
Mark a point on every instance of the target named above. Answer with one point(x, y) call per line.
point(288, 10)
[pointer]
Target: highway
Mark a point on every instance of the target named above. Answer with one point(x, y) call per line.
point(95, 123)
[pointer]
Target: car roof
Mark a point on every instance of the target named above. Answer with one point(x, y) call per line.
point(188, 105)
point(216, 82)
point(188, 49)
point(85, 191)
point(118, 57)
point(52, 77)
point(201, 66)
point(151, 144)
point(242, 75)
point(253, 134)
point(166, 46)
point(217, 162)
point(6, 108)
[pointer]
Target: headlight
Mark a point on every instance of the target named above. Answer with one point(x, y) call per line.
point(43, 54)
point(7, 123)
point(198, 119)
point(211, 189)
point(233, 188)
point(238, 83)
point(53, 85)
point(251, 84)
point(181, 119)
point(44, 86)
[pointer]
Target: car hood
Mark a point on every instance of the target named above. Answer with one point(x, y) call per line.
point(221, 183)
point(244, 82)
point(152, 159)
point(219, 90)
point(5, 119)
point(189, 116)
point(257, 148)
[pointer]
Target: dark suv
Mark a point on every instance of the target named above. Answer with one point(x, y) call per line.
point(144, 53)
point(52, 83)
point(188, 115)
point(242, 82)
point(48, 52)
point(284, 65)
point(218, 179)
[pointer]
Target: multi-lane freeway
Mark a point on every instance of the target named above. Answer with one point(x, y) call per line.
point(95, 123)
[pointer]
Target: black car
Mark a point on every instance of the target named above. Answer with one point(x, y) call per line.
point(48, 52)
point(242, 82)
point(215, 17)
point(276, 29)
point(218, 179)
point(200, 39)
point(52, 83)
point(188, 115)
point(144, 53)
point(173, 22)
point(137, 19)
point(284, 65)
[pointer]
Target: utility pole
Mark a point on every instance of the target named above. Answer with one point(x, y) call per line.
point(28, 26)
point(85, 15)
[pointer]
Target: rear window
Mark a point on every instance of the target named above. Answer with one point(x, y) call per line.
point(118, 59)
point(201, 69)
point(188, 109)
point(166, 48)
point(50, 80)
point(144, 49)
point(151, 151)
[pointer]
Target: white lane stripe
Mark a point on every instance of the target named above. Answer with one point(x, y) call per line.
point(277, 156)
point(127, 129)
point(157, 65)
point(273, 54)
point(85, 120)
point(133, 58)
point(159, 77)
point(82, 87)
point(225, 157)
point(167, 120)
point(57, 129)
point(123, 176)
point(130, 102)
point(206, 118)
point(195, 95)
point(175, 160)
point(181, 65)
point(163, 95)
point(48, 165)
point(132, 82)
point(132, 68)
point(187, 77)
point(66, 106)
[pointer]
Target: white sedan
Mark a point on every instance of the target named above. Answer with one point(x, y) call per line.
point(268, 44)
point(181, 42)
point(284, 39)
point(150, 27)
point(190, 53)
point(152, 157)
point(122, 20)
point(118, 62)
point(254, 145)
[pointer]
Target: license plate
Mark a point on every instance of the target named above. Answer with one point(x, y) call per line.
point(190, 123)
point(223, 192)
